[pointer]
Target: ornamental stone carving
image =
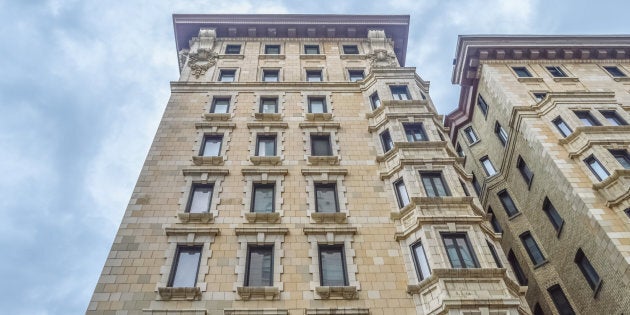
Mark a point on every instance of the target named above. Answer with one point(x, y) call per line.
point(201, 61)
point(380, 58)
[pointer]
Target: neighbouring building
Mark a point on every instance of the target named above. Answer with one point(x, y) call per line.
point(542, 124)
point(301, 168)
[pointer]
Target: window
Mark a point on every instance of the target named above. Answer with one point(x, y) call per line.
point(560, 300)
point(615, 72)
point(232, 49)
point(538, 310)
point(483, 106)
point(220, 105)
point(522, 72)
point(494, 222)
point(226, 75)
point(266, 146)
point(587, 270)
point(562, 127)
point(326, 198)
point(211, 146)
point(476, 185)
point(487, 166)
point(471, 135)
point(556, 71)
point(350, 49)
point(527, 174)
point(271, 75)
point(596, 167)
point(317, 105)
point(459, 150)
point(434, 184)
point(464, 188)
point(272, 49)
point(415, 132)
point(332, 266)
point(320, 145)
point(269, 105)
point(539, 96)
point(263, 198)
point(532, 248)
point(627, 212)
point(495, 256)
point(401, 193)
point(314, 75)
point(420, 260)
point(200, 198)
point(400, 92)
point(613, 118)
point(586, 118)
point(501, 133)
point(459, 250)
point(507, 202)
point(259, 269)
point(311, 49)
point(355, 75)
point(553, 215)
point(185, 267)
point(518, 271)
point(622, 157)
point(386, 140)
point(375, 101)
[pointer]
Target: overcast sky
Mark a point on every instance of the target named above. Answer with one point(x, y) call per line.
point(83, 85)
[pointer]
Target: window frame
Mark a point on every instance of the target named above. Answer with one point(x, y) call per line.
point(314, 137)
point(310, 100)
point(483, 106)
point(269, 48)
point(532, 248)
point(175, 266)
point(586, 118)
point(415, 128)
point(216, 100)
point(470, 133)
point(553, 215)
point(454, 236)
point(374, 99)
point(336, 247)
point(191, 197)
point(262, 105)
point(496, 226)
point(397, 192)
point(559, 122)
point(619, 74)
point(350, 49)
point(227, 73)
point(584, 264)
point(539, 96)
point(229, 49)
point(417, 263)
point(268, 75)
point(400, 92)
point(613, 118)
point(592, 158)
point(354, 73)
point(622, 156)
point(387, 144)
point(486, 166)
point(521, 277)
point(333, 187)
point(255, 187)
point(556, 71)
point(476, 185)
point(521, 72)
point(248, 266)
point(432, 177)
point(525, 171)
point(511, 212)
point(501, 133)
point(563, 307)
point(266, 137)
point(204, 143)
point(495, 255)
point(311, 46)
point(310, 75)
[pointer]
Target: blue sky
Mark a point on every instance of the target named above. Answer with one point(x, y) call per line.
point(83, 87)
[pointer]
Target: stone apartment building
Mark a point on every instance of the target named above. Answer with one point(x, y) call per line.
point(301, 168)
point(542, 124)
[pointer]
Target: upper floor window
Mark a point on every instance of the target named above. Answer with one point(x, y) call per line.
point(259, 266)
point(460, 151)
point(415, 132)
point(227, 75)
point(464, 188)
point(400, 92)
point(622, 157)
point(539, 96)
point(200, 198)
point(562, 127)
point(232, 49)
point(527, 174)
point(471, 135)
point(268, 105)
point(532, 248)
point(627, 212)
point(386, 141)
point(494, 254)
point(266, 146)
point(501, 133)
point(507, 202)
point(355, 75)
point(615, 71)
point(494, 221)
point(320, 145)
point(185, 267)
point(556, 71)
point(272, 49)
point(560, 300)
point(483, 106)
point(596, 167)
point(314, 75)
point(589, 272)
point(538, 310)
point(476, 185)
point(586, 118)
point(326, 198)
point(375, 101)
point(553, 215)
point(271, 75)
point(613, 118)
point(263, 198)
point(401, 193)
point(220, 105)
point(459, 251)
point(516, 267)
point(332, 266)
point(434, 184)
point(487, 166)
point(350, 49)
point(522, 72)
point(211, 145)
point(317, 105)
point(420, 261)
point(311, 49)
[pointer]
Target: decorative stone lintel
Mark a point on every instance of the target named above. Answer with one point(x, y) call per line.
point(185, 230)
point(422, 220)
point(342, 292)
point(337, 311)
point(231, 56)
point(319, 116)
point(410, 145)
point(323, 160)
point(180, 293)
point(203, 217)
point(258, 293)
point(261, 171)
point(213, 124)
point(265, 160)
point(622, 79)
point(208, 171)
point(268, 117)
point(207, 160)
point(531, 80)
point(262, 311)
point(318, 125)
point(319, 171)
point(333, 230)
point(352, 57)
point(566, 79)
point(267, 217)
point(271, 57)
point(615, 188)
point(267, 124)
point(331, 217)
point(257, 230)
point(456, 273)
point(217, 116)
point(403, 103)
point(313, 56)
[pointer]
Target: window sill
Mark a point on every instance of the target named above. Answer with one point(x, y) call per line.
point(530, 80)
point(516, 215)
point(268, 116)
point(232, 56)
point(340, 292)
point(318, 116)
point(333, 217)
point(180, 293)
point(204, 217)
point(544, 262)
point(217, 116)
point(258, 217)
point(258, 293)
point(566, 79)
point(323, 160)
point(622, 79)
point(207, 160)
point(271, 56)
point(473, 143)
point(337, 310)
point(597, 288)
point(313, 56)
point(559, 230)
point(265, 160)
point(352, 56)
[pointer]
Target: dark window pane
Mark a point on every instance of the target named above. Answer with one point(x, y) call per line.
point(560, 300)
point(355, 75)
point(501, 133)
point(613, 118)
point(200, 199)
point(476, 185)
point(263, 198)
point(622, 157)
point(271, 75)
point(495, 256)
point(615, 72)
point(532, 248)
point(434, 185)
point(586, 118)
point(483, 106)
point(350, 49)
point(420, 260)
point(553, 215)
point(415, 132)
point(386, 140)
point(375, 100)
point(487, 166)
point(272, 49)
point(524, 170)
point(316, 105)
point(326, 198)
point(227, 75)
point(269, 105)
point(471, 135)
point(232, 49)
point(401, 193)
point(266, 146)
point(587, 269)
point(507, 202)
point(211, 146)
point(538, 310)
point(400, 92)
point(259, 266)
point(540, 96)
point(562, 127)
point(518, 271)
point(332, 266)
point(459, 251)
point(320, 146)
point(597, 168)
point(311, 49)
point(522, 72)
point(220, 105)
point(556, 71)
point(186, 267)
point(494, 221)
point(314, 75)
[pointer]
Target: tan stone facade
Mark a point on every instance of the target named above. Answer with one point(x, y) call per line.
point(372, 149)
point(561, 105)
